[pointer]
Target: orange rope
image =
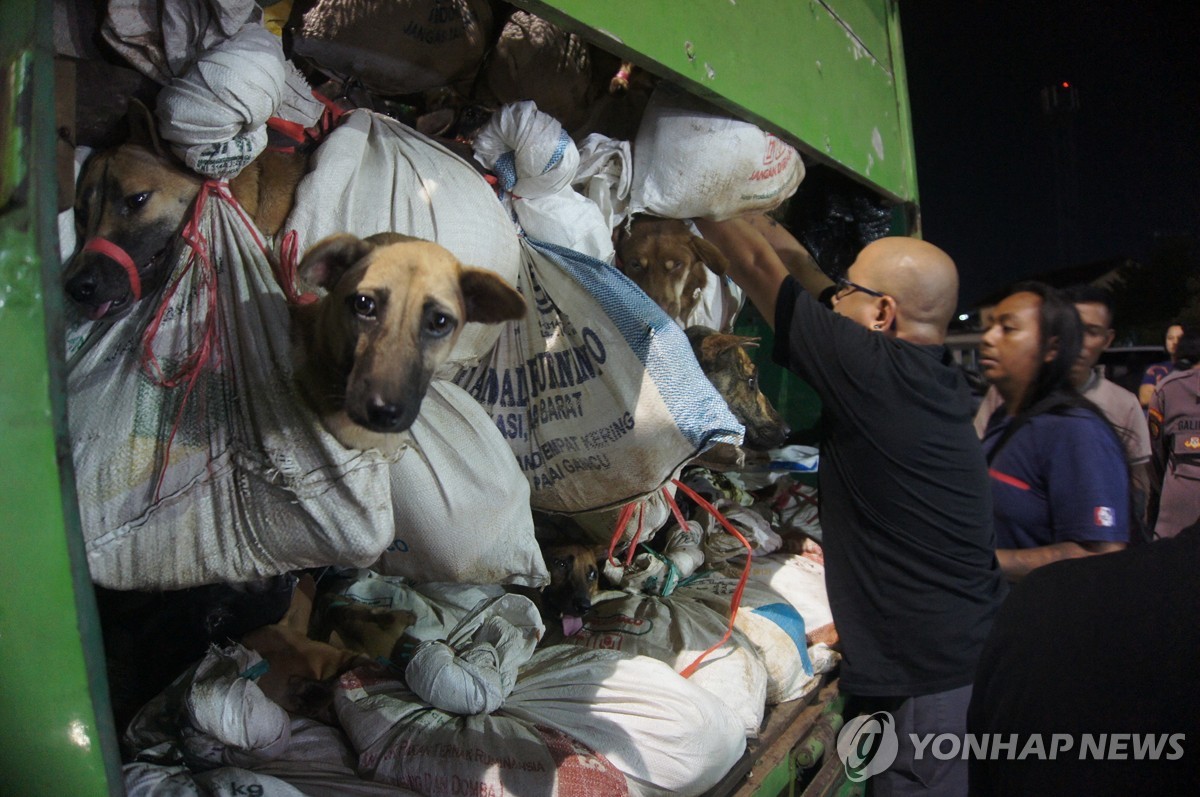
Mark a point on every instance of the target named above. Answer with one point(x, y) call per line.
point(736, 600)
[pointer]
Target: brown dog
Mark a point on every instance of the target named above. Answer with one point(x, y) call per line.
point(366, 352)
point(302, 670)
point(574, 583)
point(130, 206)
point(727, 364)
point(668, 262)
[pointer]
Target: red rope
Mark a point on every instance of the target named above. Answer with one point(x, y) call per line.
point(736, 600)
point(207, 353)
point(105, 247)
point(289, 265)
point(622, 521)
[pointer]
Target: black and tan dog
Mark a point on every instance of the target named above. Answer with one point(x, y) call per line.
point(131, 204)
point(727, 364)
point(366, 352)
point(668, 262)
point(574, 583)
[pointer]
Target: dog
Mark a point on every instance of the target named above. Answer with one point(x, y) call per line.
point(574, 584)
point(302, 671)
point(366, 352)
point(130, 206)
point(727, 364)
point(668, 262)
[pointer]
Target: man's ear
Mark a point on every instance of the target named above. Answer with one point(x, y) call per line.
point(885, 313)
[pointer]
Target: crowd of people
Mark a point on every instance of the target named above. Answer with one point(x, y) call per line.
point(945, 532)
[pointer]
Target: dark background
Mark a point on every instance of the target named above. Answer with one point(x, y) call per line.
point(1011, 194)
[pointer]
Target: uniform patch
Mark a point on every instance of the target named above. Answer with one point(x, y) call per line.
point(1192, 442)
point(1105, 516)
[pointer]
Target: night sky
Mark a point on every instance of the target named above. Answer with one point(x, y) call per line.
point(1007, 193)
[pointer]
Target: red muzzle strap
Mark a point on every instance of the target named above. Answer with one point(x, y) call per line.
point(103, 246)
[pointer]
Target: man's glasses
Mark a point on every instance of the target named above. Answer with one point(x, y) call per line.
point(845, 287)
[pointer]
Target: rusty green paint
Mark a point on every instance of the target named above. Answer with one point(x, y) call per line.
point(826, 75)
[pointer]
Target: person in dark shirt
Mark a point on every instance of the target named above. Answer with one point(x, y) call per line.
point(1059, 479)
point(905, 504)
point(1095, 658)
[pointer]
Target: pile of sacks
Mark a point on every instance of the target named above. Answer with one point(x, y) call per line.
point(220, 472)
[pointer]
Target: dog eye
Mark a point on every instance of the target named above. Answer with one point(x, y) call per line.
point(672, 265)
point(439, 324)
point(135, 201)
point(637, 265)
point(752, 382)
point(361, 305)
point(560, 563)
point(592, 574)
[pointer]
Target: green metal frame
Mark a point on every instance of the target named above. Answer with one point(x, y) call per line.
point(826, 75)
point(56, 723)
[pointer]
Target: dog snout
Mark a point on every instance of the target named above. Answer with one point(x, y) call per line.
point(383, 414)
point(82, 287)
point(582, 604)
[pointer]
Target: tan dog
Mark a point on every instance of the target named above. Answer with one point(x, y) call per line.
point(302, 670)
point(668, 262)
point(727, 364)
point(574, 583)
point(130, 207)
point(366, 352)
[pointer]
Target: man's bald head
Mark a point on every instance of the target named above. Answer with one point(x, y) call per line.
point(920, 277)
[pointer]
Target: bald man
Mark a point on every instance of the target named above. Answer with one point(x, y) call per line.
point(905, 500)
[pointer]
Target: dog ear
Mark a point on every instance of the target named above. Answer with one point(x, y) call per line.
point(713, 257)
point(328, 259)
point(715, 345)
point(489, 298)
point(143, 129)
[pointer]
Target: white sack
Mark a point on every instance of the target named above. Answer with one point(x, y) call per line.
point(578, 723)
point(143, 779)
point(651, 513)
point(535, 161)
point(597, 392)
point(225, 703)
point(691, 160)
point(249, 488)
point(473, 671)
point(165, 41)
point(373, 174)
point(604, 176)
point(461, 502)
point(800, 581)
point(677, 630)
point(772, 625)
point(215, 114)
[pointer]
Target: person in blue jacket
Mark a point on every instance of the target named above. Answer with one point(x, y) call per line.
point(1059, 479)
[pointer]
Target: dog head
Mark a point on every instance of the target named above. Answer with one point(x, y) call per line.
point(395, 305)
point(574, 582)
point(727, 364)
point(129, 207)
point(668, 262)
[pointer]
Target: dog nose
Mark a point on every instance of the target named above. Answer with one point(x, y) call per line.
point(583, 605)
point(82, 288)
point(383, 414)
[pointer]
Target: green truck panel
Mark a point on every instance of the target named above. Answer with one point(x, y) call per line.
point(827, 76)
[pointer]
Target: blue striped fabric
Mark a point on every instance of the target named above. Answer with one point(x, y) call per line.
point(698, 409)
